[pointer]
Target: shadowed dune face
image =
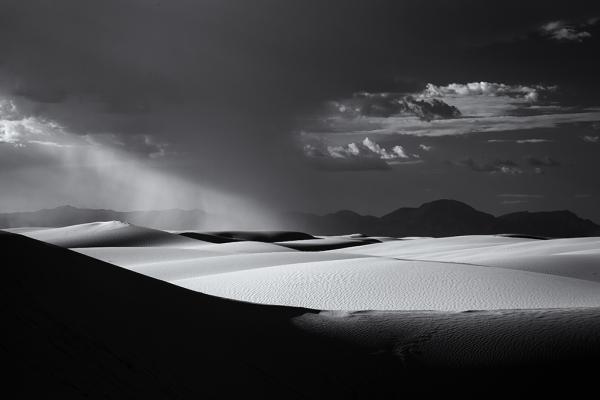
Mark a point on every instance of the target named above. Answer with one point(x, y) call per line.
point(263, 236)
point(256, 236)
point(78, 327)
point(327, 243)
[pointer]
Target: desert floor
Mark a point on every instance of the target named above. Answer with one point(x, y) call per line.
point(109, 309)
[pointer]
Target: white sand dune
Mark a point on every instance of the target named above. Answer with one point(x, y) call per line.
point(246, 247)
point(131, 256)
point(435, 247)
point(386, 284)
point(109, 234)
point(26, 229)
point(575, 258)
point(226, 264)
point(483, 272)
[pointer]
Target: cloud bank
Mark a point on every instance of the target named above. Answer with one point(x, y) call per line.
point(385, 105)
point(448, 110)
point(568, 32)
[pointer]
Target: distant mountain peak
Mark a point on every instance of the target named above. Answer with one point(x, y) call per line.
point(448, 217)
point(446, 203)
point(345, 213)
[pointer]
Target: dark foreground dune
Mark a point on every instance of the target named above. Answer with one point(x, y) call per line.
point(76, 327)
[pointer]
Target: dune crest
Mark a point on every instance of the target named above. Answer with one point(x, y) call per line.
point(109, 234)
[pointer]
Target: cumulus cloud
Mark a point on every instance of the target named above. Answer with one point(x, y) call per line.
point(342, 158)
point(425, 147)
point(364, 155)
point(493, 99)
point(21, 128)
point(591, 139)
point(528, 93)
point(567, 32)
point(396, 152)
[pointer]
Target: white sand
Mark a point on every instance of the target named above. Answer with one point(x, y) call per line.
point(575, 258)
point(131, 256)
point(227, 264)
point(451, 274)
point(109, 234)
point(26, 229)
point(246, 247)
point(384, 284)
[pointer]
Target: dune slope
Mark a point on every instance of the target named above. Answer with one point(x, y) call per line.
point(388, 284)
point(108, 234)
point(574, 257)
point(76, 327)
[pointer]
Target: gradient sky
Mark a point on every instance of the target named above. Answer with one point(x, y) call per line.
point(300, 105)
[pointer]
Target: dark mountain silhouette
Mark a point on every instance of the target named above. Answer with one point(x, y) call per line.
point(437, 218)
point(448, 218)
point(549, 223)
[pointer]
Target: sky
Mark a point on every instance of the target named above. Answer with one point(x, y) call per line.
point(267, 106)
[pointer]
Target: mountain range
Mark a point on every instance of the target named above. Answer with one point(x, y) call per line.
point(437, 218)
point(449, 218)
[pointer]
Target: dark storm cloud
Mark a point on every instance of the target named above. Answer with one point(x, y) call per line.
point(131, 55)
point(453, 109)
point(211, 89)
point(393, 104)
